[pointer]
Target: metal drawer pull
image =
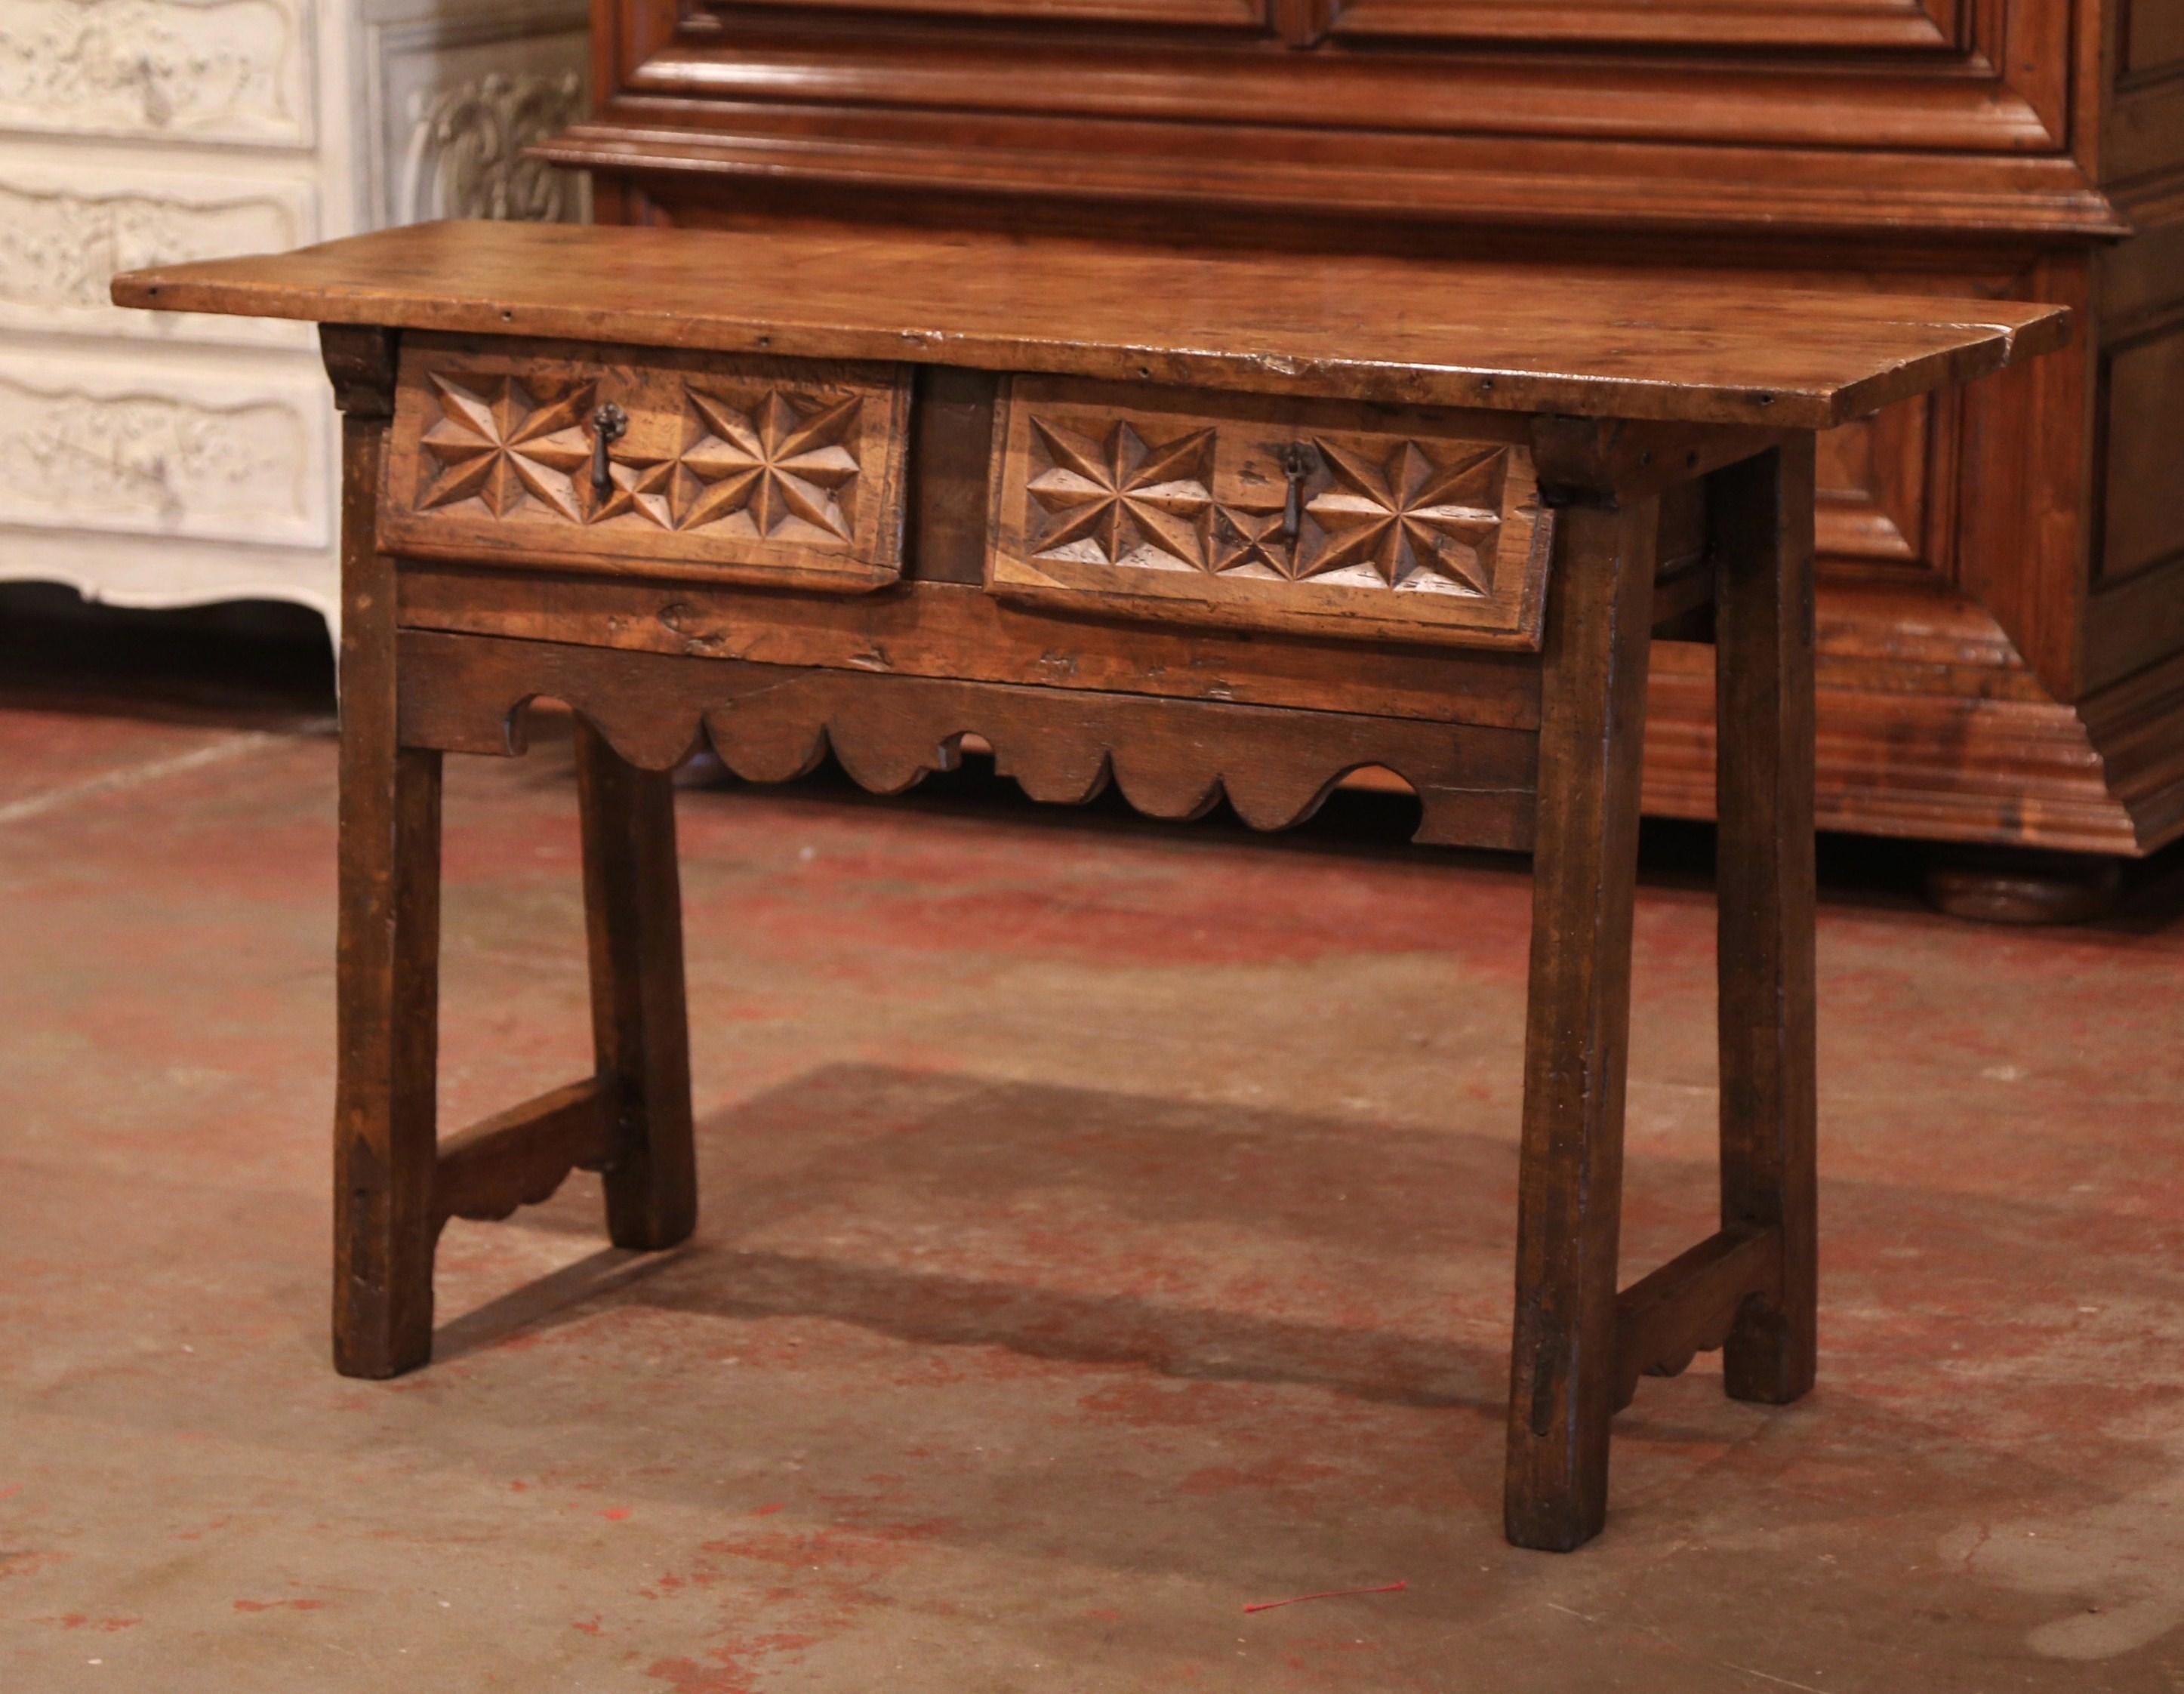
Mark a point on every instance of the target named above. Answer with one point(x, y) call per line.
point(1299, 460)
point(609, 425)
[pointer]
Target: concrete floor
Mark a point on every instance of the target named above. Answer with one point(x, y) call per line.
point(1107, 1225)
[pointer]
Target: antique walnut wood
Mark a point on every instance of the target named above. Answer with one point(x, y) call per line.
point(1198, 529)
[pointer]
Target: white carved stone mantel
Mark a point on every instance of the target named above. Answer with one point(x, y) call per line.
point(170, 461)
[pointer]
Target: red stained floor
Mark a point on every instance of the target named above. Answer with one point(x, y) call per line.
point(1107, 1225)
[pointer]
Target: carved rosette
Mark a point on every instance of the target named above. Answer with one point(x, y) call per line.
point(1118, 501)
point(1282, 515)
point(772, 463)
point(501, 444)
point(1425, 518)
point(759, 468)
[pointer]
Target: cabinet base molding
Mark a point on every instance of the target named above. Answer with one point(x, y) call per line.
point(1970, 753)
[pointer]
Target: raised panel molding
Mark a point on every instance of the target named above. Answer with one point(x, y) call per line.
point(1874, 499)
point(1928, 25)
point(1995, 80)
point(182, 454)
point(1202, 14)
point(223, 71)
point(2152, 37)
point(2141, 400)
point(60, 241)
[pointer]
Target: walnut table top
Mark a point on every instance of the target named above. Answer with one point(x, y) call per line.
point(1506, 336)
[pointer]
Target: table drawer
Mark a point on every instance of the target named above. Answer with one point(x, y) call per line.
point(717, 466)
point(1241, 510)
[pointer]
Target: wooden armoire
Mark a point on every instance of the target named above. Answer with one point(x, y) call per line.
point(2002, 619)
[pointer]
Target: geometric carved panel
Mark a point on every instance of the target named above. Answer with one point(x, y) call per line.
point(706, 465)
point(1271, 514)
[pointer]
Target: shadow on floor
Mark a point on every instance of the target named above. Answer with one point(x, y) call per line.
point(961, 1163)
point(931, 1310)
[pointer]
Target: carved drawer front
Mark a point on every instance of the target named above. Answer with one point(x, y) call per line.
point(1244, 511)
point(703, 465)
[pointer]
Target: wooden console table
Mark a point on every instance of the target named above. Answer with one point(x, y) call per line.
point(1198, 526)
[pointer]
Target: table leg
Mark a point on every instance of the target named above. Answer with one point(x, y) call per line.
point(387, 973)
point(1763, 544)
point(633, 916)
point(1562, 1376)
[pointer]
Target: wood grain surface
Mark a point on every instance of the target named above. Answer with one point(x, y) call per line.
point(714, 466)
point(1523, 337)
point(1263, 514)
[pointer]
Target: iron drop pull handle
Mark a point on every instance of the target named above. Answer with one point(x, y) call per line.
point(609, 425)
point(1299, 460)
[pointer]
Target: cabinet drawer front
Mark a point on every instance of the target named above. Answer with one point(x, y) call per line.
point(1930, 25)
point(1242, 511)
point(719, 467)
point(1250, 15)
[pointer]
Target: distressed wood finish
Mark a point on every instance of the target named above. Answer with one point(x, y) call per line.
point(521, 1157)
point(1265, 514)
point(949, 630)
point(1562, 1391)
point(1293, 523)
point(1763, 548)
point(773, 723)
point(640, 1030)
point(387, 980)
point(1694, 1304)
point(1506, 338)
point(711, 468)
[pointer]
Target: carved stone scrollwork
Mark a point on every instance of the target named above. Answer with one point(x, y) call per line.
point(223, 70)
point(148, 463)
point(60, 249)
point(465, 158)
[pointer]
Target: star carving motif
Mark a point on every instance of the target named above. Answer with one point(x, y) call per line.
point(643, 487)
point(1244, 539)
point(1128, 502)
point(499, 442)
point(778, 465)
point(1408, 514)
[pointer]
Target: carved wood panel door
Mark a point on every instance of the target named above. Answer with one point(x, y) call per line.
point(1974, 75)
